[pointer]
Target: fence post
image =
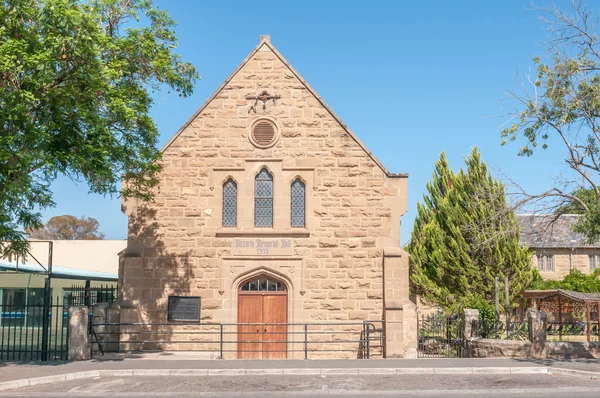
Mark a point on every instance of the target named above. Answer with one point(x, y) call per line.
point(305, 341)
point(91, 336)
point(537, 332)
point(471, 317)
point(45, 321)
point(86, 294)
point(79, 343)
point(368, 337)
point(470, 329)
point(221, 340)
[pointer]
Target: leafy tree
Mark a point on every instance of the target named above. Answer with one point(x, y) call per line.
point(464, 236)
point(560, 105)
point(586, 196)
point(68, 227)
point(77, 80)
point(576, 281)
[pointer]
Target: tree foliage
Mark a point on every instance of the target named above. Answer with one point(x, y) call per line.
point(576, 281)
point(77, 80)
point(560, 105)
point(68, 227)
point(464, 236)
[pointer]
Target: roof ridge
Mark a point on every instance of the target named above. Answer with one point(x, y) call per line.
point(265, 41)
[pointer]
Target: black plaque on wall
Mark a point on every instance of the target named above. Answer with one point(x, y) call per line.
point(184, 308)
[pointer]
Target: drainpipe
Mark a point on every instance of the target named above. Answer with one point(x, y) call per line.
point(571, 260)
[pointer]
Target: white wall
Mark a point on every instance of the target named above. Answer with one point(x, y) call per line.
point(91, 255)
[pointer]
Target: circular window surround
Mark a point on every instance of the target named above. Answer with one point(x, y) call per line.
point(276, 134)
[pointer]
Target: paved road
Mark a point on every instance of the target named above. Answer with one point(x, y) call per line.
point(14, 371)
point(372, 386)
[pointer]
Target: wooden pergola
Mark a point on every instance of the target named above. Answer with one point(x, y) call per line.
point(591, 300)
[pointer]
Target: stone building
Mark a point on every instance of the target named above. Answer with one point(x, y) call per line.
point(270, 210)
point(556, 248)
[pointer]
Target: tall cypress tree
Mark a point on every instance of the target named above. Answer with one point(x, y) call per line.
point(464, 236)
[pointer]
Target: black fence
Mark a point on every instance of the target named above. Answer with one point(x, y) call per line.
point(87, 296)
point(440, 336)
point(243, 340)
point(498, 329)
point(33, 332)
point(572, 331)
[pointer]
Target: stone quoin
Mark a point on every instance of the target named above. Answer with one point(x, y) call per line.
point(265, 190)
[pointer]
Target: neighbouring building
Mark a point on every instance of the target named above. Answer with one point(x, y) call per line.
point(73, 263)
point(269, 210)
point(557, 250)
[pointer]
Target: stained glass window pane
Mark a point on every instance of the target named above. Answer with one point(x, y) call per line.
point(298, 203)
point(263, 284)
point(263, 201)
point(229, 203)
point(272, 286)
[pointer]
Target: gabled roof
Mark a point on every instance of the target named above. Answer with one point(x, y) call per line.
point(551, 231)
point(265, 41)
point(566, 294)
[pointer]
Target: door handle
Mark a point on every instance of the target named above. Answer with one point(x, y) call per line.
point(265, 330)
point(257, 330)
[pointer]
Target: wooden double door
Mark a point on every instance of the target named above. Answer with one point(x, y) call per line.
point(258, 338)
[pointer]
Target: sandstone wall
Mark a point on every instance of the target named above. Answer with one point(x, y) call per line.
point(565, 260)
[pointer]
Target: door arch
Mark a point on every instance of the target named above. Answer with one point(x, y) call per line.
point(262, 318)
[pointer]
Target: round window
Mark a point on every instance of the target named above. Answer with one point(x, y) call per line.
point(263, 134)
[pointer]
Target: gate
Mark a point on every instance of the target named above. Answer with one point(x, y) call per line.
point(440, 336)
point(33, 332)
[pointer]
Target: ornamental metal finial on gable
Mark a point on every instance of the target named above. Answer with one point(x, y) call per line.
point(263, 97)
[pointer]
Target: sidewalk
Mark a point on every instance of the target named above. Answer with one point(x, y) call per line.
point(15, 371)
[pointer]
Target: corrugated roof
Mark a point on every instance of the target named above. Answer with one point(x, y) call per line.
point(567, 294)
point(551, 231)
point(58, 272)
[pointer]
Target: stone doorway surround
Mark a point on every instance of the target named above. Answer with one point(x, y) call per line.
point(277, 269)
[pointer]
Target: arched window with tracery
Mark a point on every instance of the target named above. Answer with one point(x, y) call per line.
point(230, 203)
point(298, 203)
point(263, 199)
point(263, 283)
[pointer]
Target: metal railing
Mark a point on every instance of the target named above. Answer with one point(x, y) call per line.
point(572, 329)
point(26, 335)
point(512, 330)
point(271, 340)
point(88, 296)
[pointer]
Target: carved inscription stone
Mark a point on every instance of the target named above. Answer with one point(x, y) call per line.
point(262, 247)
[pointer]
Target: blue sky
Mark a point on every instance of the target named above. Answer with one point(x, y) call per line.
point(411, 79)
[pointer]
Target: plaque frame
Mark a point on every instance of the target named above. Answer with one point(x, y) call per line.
point(171, 317)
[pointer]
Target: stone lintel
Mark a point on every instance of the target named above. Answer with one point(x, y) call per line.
point(132, 252)
point(394, 252)
point(394, 305)
point(261, 258)
point(126, 303)
point(264, 232)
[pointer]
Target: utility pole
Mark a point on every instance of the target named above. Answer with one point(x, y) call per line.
point(507, 302)
point(46, 309)
point(497, 298)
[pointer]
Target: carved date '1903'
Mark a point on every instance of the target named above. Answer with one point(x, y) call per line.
point(263, 247)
